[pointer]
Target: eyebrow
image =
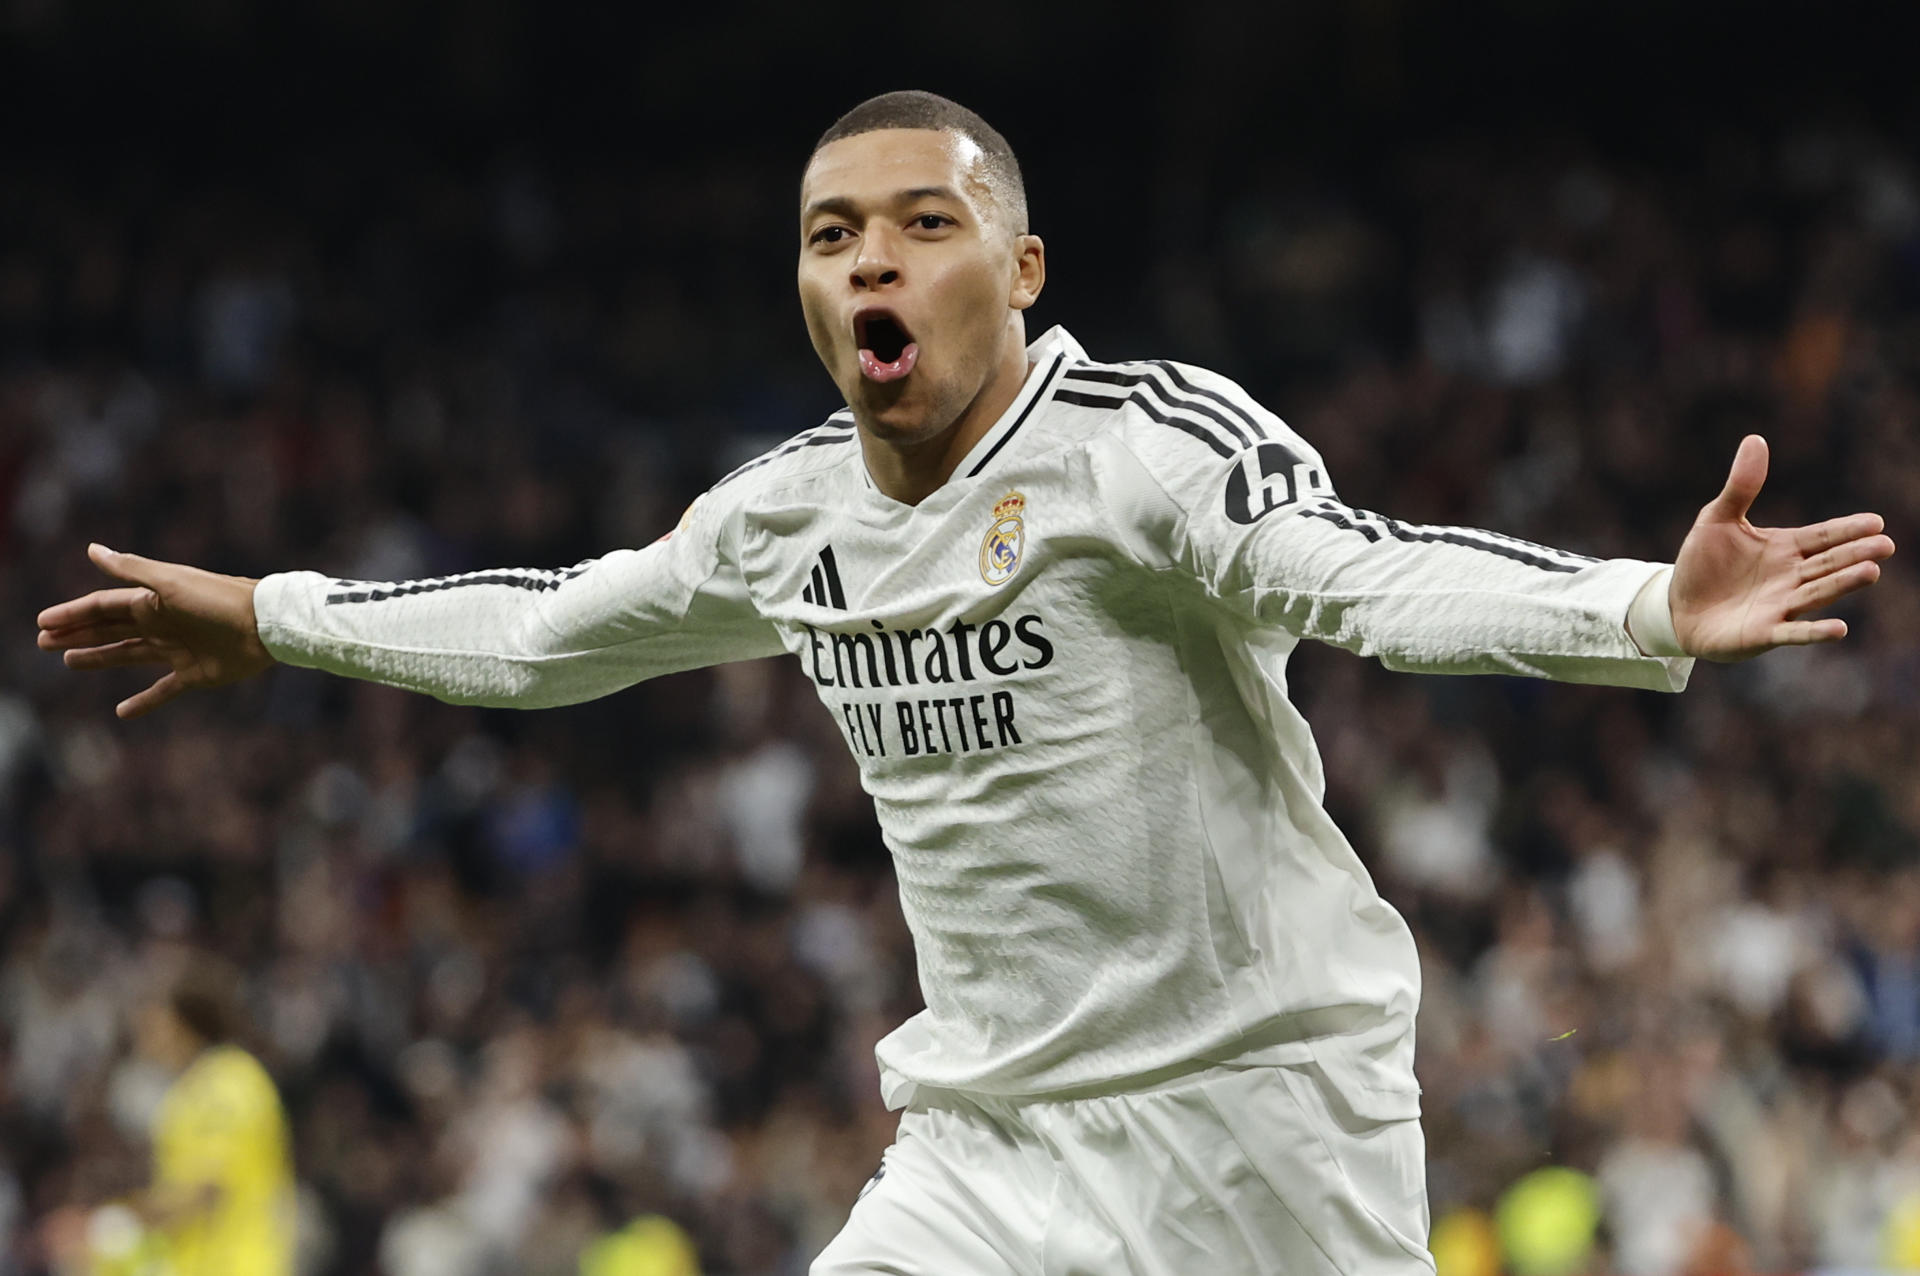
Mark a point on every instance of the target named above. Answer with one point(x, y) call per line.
point(843, 206)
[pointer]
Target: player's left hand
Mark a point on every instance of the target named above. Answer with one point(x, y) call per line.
point(1739, 590)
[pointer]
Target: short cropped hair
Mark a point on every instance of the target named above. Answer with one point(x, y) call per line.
point(914, 108)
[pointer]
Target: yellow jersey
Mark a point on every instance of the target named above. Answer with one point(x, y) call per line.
point(221, 1124)
point(648, 1246)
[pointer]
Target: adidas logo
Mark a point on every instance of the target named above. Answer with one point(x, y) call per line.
point(825, 590)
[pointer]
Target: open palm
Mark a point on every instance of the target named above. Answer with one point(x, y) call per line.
point(1739, 590)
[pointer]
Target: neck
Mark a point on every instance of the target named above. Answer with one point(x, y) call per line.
point(910, 470)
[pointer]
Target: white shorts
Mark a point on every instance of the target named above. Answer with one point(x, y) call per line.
point(1227, 1171)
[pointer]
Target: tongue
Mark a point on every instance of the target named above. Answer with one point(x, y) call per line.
point(874, 370)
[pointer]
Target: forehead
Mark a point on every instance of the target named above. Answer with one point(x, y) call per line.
point(873, 166)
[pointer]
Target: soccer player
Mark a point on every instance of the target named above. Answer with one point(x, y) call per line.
point(222, 1191)
point(1049, 601)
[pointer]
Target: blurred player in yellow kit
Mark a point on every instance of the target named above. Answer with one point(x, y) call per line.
point(648, 1246)
point(222, 1194)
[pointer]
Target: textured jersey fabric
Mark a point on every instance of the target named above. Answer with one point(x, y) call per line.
point(1063, 675)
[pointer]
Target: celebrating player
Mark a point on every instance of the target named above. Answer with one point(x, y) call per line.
point(1050, 602)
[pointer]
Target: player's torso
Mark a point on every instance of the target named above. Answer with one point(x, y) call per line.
point(977, 633)
point(1012, 686)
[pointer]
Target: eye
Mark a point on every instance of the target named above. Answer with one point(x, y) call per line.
point(933, 221)
point(829, 235)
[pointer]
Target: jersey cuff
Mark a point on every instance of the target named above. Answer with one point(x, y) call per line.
point(1650, 618)
point(277, 599)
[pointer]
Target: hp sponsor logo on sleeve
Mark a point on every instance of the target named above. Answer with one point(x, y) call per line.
point(1266, 478)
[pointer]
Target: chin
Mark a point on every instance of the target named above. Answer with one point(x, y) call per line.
point(901, 421)
point(896, 414)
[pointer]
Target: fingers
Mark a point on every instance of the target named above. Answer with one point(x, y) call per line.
point(101, 607)
point(117, 655)
point(1743, 483)
point(141, 571)
point(1816, 594)
point(1805, 633)
point(1837, 531)
point(105, 606)
point(163, 690)
point(1843, 569)
point(1865, 549)
point(86, 636)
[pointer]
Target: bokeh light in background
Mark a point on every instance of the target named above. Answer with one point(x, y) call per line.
point(394, 289)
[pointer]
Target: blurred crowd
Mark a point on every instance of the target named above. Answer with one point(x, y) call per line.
point(522, 979)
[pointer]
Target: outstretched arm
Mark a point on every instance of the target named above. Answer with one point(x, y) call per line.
point(1262, 532)
point(1739, 590)
point(516, 637)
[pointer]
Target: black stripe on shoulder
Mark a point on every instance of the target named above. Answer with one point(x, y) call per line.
point(818, 436)
point(1085, 400)
point(1034, 402)
point(1140, 400)
point(1113, 376)
point(1239, 410)
point(537, 579)
point(1373, 526)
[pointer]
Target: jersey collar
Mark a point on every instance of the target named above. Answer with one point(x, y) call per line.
point(1045, 357)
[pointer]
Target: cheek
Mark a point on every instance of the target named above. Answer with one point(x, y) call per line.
point(975, 296)
point(814, 309)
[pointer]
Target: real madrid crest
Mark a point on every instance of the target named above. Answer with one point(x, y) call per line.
point(1000, 551)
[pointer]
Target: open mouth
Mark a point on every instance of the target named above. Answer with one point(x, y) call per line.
point(887, 350)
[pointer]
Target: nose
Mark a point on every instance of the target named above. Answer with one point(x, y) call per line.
point(877, 266)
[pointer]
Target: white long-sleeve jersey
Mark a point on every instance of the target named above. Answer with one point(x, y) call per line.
point(1063, 676)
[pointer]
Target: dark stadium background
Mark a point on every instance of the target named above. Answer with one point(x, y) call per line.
point(411, 287)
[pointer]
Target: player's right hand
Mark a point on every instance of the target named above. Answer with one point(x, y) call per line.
point(198, 624)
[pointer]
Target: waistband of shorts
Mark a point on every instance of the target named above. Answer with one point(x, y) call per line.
point(1293, 1041)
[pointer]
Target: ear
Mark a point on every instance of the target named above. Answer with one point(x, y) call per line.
point(1030, 271)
